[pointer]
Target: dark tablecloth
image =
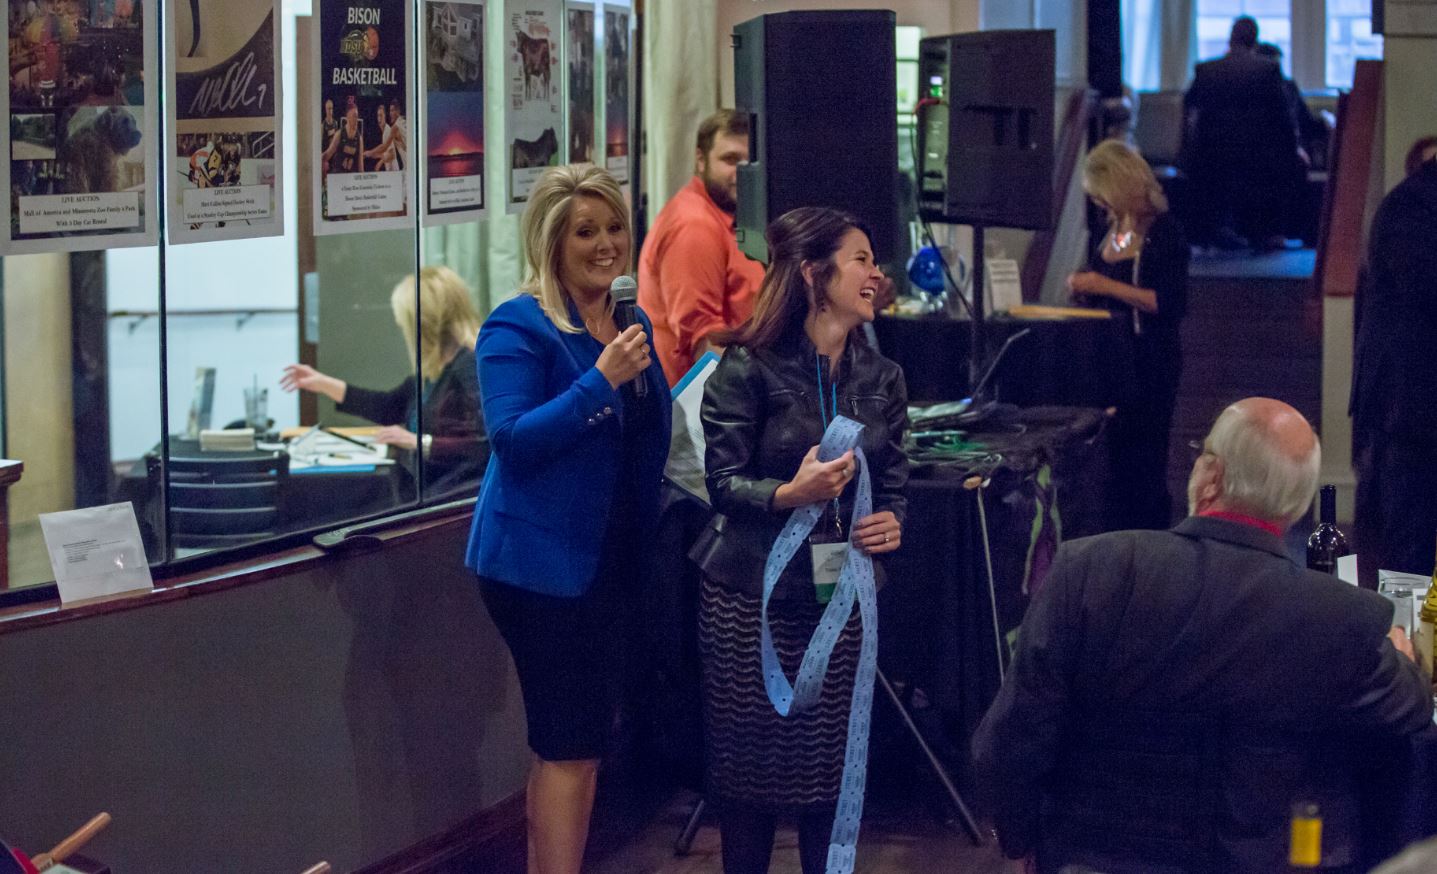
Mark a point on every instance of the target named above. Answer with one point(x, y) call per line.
point(935, 615)
point(1073, 362)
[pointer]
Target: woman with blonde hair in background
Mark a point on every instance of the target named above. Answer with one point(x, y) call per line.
point(439, 325)
point(1139, 271)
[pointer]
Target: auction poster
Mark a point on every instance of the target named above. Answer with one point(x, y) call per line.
point(580, 21)
point(533, 115)
point(454, 104)
point(617, 60)
point(223, 133)
point(362, 152)
point(81, 155)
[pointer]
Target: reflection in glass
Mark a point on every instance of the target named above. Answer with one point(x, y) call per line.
point(433, 418)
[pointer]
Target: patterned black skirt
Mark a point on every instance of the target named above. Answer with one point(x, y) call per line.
point(754, 756)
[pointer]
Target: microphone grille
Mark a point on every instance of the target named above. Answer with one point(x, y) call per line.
point(624, 288)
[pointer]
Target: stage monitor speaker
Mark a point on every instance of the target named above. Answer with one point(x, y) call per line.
point(820, 92)
point(986, 145)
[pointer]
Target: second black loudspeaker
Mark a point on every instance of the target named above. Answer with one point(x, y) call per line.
point(986, 150)
point(819, 88)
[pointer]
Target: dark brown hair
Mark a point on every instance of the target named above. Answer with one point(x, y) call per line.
point(725, 121)
point(1414, 160)
point(807, 235)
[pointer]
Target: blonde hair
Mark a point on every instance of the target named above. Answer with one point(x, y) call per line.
point(1117, 175)
point(439, 320)
point(545, 221)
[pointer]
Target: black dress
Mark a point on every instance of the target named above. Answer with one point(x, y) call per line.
point(459, 449)
point(1139, 437)
point(575, 656)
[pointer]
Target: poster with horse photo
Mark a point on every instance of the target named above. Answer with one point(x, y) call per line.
point(82, 106)
point(454, 100)
point(580, 20)
point(223, 160)
point(618, 62)
point(533, 114)
point(361, 156)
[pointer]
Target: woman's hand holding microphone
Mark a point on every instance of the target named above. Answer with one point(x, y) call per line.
point(625, 357)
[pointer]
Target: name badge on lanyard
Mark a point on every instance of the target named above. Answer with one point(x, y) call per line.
point(828, 559)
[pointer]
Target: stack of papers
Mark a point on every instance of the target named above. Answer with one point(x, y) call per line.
point(319, 448)
point(233, 440)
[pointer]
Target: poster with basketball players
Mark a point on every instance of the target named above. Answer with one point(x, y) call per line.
point(222, 164)
point(580, 20)
point(617, 72)
point(454, 122)
point(533, 115)
point(361, 154)
point(80, 162)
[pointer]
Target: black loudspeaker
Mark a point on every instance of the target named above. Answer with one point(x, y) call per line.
point(986, 150)
point(820, 91)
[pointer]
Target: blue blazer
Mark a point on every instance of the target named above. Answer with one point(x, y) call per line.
point(555, 431)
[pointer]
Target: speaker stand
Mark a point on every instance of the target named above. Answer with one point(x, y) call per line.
point(965, 816)
point(977, 351)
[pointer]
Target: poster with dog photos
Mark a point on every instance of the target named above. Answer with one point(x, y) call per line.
point(618, 85)
point(223, 159)
point(453, 45)
point(533, 111)
point(80, 164)
point(362, 160)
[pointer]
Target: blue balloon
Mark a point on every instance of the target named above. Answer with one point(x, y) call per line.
point(925, 270)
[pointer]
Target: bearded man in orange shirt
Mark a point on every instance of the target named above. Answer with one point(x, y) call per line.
point(693, 280)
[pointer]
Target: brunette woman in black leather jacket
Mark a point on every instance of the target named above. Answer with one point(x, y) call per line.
point(795, 364)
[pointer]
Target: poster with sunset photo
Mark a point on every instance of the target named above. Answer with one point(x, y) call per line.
point(454, 126)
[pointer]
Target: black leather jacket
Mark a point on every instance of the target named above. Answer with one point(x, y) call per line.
point(760, 417)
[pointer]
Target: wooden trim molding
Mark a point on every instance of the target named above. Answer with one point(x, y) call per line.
point(492, 840)
point(1350, 185)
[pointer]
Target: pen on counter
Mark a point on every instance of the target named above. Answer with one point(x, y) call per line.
point(333, 433)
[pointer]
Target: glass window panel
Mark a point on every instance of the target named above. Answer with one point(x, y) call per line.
point(451, 312)
point(1274, 25)
point(1349, 38)
point(81, 385)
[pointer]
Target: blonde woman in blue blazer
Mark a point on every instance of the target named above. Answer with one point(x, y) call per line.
point(571, 493)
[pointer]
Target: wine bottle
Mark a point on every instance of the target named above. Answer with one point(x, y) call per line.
point(1326, 544)
point(1305, 844)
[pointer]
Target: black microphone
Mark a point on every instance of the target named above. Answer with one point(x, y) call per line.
point(625, 293)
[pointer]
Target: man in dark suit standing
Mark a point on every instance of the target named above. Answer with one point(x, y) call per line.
point(1394, 383)
point(1240, 147)
point(1175, 693)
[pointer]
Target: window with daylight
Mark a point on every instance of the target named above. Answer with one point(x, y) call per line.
point(1214, 23)
point(1349, 39)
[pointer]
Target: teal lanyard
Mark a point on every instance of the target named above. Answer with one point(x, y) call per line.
point(823, 410)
